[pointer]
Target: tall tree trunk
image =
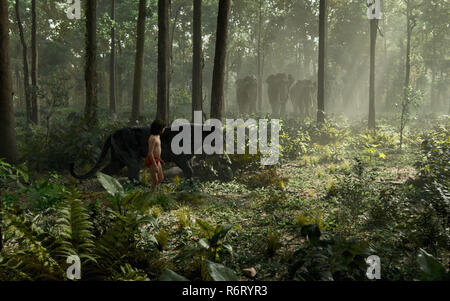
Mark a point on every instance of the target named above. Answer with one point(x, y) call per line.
point(259, 50)
point(18, 88)
point(409, 28)
point(433, 73)
point(26, 74)
point(112, 62)
point(139, 64)
point(162, 110)
point(197, 78)
point(90, 74)
point(36, 115)
point(226, 83)
point(119, 75)
point(217, 93)
point(373, 41)
point(410, 24)
point(321, 62)
point(8, 147)
point(172, 37)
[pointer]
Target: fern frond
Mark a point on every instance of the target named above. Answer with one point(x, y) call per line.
point(76, 236)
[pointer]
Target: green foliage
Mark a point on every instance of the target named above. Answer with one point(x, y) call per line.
point(66, 139)
point(433, 164)
point(162, 238)
point(265, 178)
point(327, 133)
point(431, 269)
point(181, 96)
point(42, 254)
point(184, 217)
point(111, 185)
point(211, 246)
point(218, 167)
point(333, 258)
point(169, 275)
point(352, 194)
point(294, 140)
point(211, 271)
point(303, 219)
point(273, 243)
point(11, 175)
point(164, 200)
point(41, 194)
point(382, 138)
point(412, 99)
point(44, 194)
point(218, 272)
point(76, 231)
point(111, 254)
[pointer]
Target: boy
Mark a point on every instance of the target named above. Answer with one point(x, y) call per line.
point(153, 160)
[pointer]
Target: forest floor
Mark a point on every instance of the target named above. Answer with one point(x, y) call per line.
point(267, 219)
point(363, 195)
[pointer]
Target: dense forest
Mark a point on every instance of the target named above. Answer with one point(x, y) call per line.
point(360, 93)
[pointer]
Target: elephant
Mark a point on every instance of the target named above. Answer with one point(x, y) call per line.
point(246, 94)
point(278, 86)
point(302, 97)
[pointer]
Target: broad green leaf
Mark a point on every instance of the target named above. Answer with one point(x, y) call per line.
point(203, 243)
point(430, 267)
point(111, 185)
point(169, 275)
point(219, 272)
point(206, 228)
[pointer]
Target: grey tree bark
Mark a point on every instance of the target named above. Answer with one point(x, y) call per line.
point(26, 73)
point(8, 146)
point(217, 90)
point(91, 63)
point(197, 78)
point(136, 110)
point(373, 41)
point(35, 105)
point(162, 110)
point(112, 62)
point(321, 62)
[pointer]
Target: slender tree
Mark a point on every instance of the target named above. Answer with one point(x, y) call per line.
point(35, 106)
point(162, 110)
point(112, 61)
point(197, 59)
point(26, 73)
point(411, 22)
point(90, 74)
point(217, 93)
point(259, 58)
point(8, 147)
point(373, 40)
point(321, 63)
point(139, 64)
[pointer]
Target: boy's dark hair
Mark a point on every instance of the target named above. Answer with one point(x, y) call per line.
point(157, 127)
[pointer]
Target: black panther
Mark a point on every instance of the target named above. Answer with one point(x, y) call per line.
point(129, 146)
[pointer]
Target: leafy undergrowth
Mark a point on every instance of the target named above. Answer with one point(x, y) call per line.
point(339, 195)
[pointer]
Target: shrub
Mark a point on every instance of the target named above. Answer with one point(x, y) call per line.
point(264, 178)
point(333, 258)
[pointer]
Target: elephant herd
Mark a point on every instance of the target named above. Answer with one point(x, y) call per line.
point(280, 88)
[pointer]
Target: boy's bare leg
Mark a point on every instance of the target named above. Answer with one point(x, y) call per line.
point(160, 174)
point(155, 177)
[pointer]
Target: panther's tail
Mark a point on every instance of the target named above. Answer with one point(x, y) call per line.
point(97, 166)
